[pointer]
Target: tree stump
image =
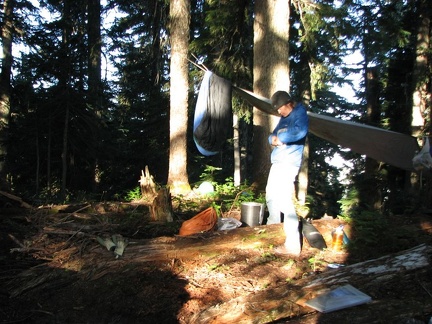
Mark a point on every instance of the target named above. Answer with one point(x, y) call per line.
point(161, 209)
point(147, 185)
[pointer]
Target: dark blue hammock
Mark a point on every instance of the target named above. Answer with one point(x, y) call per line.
point(213, 114)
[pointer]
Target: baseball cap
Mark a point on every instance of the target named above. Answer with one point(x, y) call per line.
point(280, 98)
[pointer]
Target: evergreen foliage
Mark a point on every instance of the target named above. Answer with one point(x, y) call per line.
point(56, 134)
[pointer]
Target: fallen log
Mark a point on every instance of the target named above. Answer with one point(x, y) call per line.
point(287, 301)
point(17, 199)
point(188, 247)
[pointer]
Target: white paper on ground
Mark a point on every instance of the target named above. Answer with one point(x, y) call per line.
point(339, 298)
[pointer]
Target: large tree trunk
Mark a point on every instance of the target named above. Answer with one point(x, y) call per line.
point(422, 96)
point(94, 58)
point(370, 194)
point(179, 89)
point(399, 116)
point(271, 73)
point(94, 75)
point(422, 78)
point(64, 86)
point(5, 86)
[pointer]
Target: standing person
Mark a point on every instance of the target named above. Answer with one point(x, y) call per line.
point(288, 140)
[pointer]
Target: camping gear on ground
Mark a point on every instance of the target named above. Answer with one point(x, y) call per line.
point(338, 238)
point(120, 243)
point(252, 213)
point(107, 242)
point(213, 114)
point(312, 235)
point(205, 188)
point(114, 243)
point(228, 223)
point(339, 298)
point(204, 221)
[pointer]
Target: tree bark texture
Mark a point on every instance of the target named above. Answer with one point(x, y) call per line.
point(147, 185)
point(422, 70)
point(94, 76)
point(161, 209)
point(271, 73)
point(5, 86)
point(179, 37)
point(370, 194)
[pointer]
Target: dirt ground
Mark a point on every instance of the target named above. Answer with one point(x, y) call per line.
point(52, 270)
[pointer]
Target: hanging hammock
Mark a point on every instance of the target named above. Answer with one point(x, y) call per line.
point(394, 148)
point(213, 114)
point(213, 121)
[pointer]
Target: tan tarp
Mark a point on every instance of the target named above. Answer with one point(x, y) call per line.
point(394, 148)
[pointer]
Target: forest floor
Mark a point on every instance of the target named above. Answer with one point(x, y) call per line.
point(52, 270)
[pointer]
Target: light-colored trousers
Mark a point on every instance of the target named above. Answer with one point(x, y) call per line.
point(279, 199)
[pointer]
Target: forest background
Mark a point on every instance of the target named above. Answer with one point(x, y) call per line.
point(93, 95)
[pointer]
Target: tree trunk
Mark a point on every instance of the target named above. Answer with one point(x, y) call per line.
point(306, 93)
point(63, 84)
point(179, 32)
point(94, 75)
point(422, 78)
point(48, 153)
point(5, 86)
point(237, 151)
point(65, 152)
point(399, 111)
point(370, 195)
point(422, 96)
point(271, 73)
point(303, 178)
point(94, 58)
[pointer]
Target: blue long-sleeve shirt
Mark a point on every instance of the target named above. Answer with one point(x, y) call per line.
point(291, 131)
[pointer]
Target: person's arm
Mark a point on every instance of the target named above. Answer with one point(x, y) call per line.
point(274, 141)
point(297, 130)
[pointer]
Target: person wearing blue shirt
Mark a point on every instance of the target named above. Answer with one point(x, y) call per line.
point(288, 140)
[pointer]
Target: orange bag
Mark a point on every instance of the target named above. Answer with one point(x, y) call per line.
point(203, 222)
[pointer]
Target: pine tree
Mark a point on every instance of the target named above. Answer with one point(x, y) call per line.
point(179, 89)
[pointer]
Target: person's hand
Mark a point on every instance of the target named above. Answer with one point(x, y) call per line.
point(276, 141)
